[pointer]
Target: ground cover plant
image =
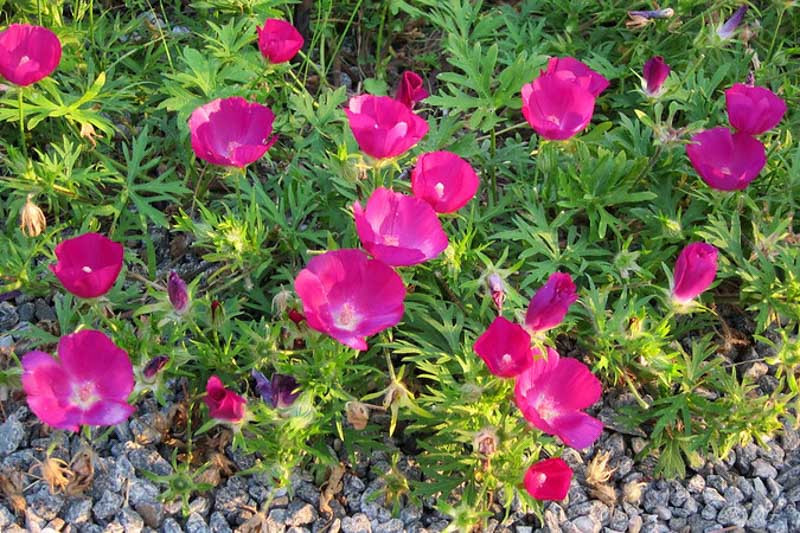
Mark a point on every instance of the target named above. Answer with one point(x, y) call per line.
point(452, 223)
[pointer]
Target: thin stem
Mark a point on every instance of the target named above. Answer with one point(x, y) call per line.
point(390, 366)
point(22, 123)
point(492, 168)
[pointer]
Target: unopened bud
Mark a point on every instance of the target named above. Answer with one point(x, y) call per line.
point(498, 290)
point(485, 442)
point(216, 312)
point(178, 294)
point(357, 414)
point(281, 302)
point(154, 366)
point(32, 220)
point(296, 316)
point(727, 30)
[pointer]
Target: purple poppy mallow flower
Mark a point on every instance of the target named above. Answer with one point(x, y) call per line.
point(28, 53)
point(505, 347)
point(726, 161)
point(154, 366)
point(654, 73)
point(695, 270)
point(281, 391)
point(177, 292)
point(753, 110)
point(726, 30)
point(88, 385)
point(549, 305)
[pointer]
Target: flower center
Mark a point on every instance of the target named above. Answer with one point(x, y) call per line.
point(439, 188)
point(346, 318)
point(87, 269)
point(23, 60)
point(556, 121)
point(541, 477)
point(84, 395)
point(546, 408)
point(725, 171)
point(232, 146)
point(507, 359)
point(391, 240)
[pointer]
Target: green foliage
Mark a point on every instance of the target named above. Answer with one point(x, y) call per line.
point(108, 150)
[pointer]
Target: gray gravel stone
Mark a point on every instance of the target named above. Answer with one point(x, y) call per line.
point(108, 506)
point(732, 515)
point(696, 484)
point(44, 504)
point(26, 312)
point(358, 523)
point(147, 459)
point(778, 525)
point(586, 524)
point(196, 524)
point(43, 311)
point(758, 517)
point(218, 524)
point(763, 469)
point(171, 525)
point(395, 525)
point(78, 511)
point(733, 495)
point(12, 434)
point(130, 520)
point(300, 513)
point(6, 517)
point(618, 521)
point(635, 524)
point(8, 316)
point(712, 498)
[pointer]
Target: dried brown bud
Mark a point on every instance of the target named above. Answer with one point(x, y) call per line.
point(88, 132)
point(598, 471)
point(632, 491)
point(357, 414)
point(485, 442)
point(31, 220)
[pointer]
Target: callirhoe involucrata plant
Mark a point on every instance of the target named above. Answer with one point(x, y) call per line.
point(467, 236)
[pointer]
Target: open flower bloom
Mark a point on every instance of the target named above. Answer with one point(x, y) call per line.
point(655, 72)
point(280, 391)
point(549, 305)
point(444, 180)
point(569, 68)
point(349, 296)
point(231, 131)
point(548, 479)
point(557, 108)
point(88, 265)
point(28, 53)
point(753, 110)
point(505, 347)
point(223, 404)
point(411, 89)
point(398, 229)
point(695, 269)
point(384, 127)
point(724, 160)
point(89, 384)
point(551, 394)
point(278, 40)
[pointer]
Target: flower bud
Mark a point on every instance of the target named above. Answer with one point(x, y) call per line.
point(154, 366)
point(485, 442)
point(695, 269)
point(216, 312)
point(727, 30)
point(357, 414)
point(177, 292)
point(549, 305)
point(655, 71)
point(498, 290)
point(411, 89)
point(296, 316)
point(31, 220)
point(281, 391)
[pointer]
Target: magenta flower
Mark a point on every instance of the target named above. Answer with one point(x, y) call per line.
point(278, 40)
point(753, 110)
point(557, 107)
point(89, 384)
point(569, 68)
point(551, 394)
point(177, 292)
point(28, 53)
point(505, 347)
point(398, 229)
point(384, 127)
point(88, 265)
point(223, 404)
point(695, 269)
point(548, 479)
point(549, 305)
point(231, 131)
point(444, 180)
point(349, 296)
point(411, 89)
point(655, 72)
point(726, 161)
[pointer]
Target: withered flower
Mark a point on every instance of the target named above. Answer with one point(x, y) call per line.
point(31, 220)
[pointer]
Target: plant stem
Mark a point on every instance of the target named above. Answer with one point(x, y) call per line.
point(390, 366)
point(492, 169)
point(22, 123)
